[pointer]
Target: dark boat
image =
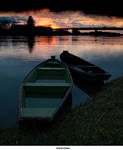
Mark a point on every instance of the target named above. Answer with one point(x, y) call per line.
point(45, 91)
point(81, 69)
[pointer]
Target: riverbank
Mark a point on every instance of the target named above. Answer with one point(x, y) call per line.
point(97, 122)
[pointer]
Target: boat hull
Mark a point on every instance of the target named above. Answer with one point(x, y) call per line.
point(83, 70)
point(45, 91)
point(84, 78)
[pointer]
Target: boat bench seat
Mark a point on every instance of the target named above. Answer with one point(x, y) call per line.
point(53, 62)
point(86, 66)
point(49, 68)
point(37, 112)
point(33, 84)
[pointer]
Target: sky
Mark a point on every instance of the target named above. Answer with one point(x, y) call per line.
point(64, 13)
point(66, 18)
point(102, 7)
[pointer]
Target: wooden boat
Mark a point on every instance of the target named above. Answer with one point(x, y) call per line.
point(82, 69)
point(45, 90)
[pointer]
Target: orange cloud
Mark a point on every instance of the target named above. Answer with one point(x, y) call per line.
point(45, 17)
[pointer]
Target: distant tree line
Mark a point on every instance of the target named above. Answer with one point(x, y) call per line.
point(29, 29)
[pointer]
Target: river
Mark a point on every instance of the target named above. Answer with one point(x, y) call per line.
point(19, 54)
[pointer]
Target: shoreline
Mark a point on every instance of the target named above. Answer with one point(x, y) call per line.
point(58, 33)
point(96, 122)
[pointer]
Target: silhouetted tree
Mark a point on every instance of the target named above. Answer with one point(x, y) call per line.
point(31, 21)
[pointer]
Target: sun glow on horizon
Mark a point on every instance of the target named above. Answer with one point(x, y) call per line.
point(53, 26)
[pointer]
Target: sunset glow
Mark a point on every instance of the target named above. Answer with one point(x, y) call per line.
point(45, 17)
point(53, 26)
point(47, 25)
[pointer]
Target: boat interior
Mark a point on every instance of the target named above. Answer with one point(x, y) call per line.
point(44, 90)
point(88, 68)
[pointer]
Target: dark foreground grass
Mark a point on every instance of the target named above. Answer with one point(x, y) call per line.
point(97, 122)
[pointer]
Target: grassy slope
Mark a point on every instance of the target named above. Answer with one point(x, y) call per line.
point(97, 122)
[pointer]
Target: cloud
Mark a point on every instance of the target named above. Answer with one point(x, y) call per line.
point(68, 18)
point(14, 19)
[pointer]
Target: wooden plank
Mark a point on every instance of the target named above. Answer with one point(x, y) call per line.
point(37, 112)
point(50, 68)
point(46, 84)
point(86, 66)
point(49, 81)
point(39, 102)
point(53, 62)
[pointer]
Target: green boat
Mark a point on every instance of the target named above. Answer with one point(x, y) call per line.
point(45, 90)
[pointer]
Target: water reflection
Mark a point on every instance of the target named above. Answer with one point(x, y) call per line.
point(78, 96)
point(31, 43)
point(82, 43)
point(46, 40)
point(19, 54)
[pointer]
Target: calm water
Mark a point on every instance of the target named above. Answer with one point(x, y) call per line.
point(18, 55)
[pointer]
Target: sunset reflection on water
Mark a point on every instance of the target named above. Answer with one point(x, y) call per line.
point(44, 46)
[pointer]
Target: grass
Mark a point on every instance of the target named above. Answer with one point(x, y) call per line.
point(97, 122)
